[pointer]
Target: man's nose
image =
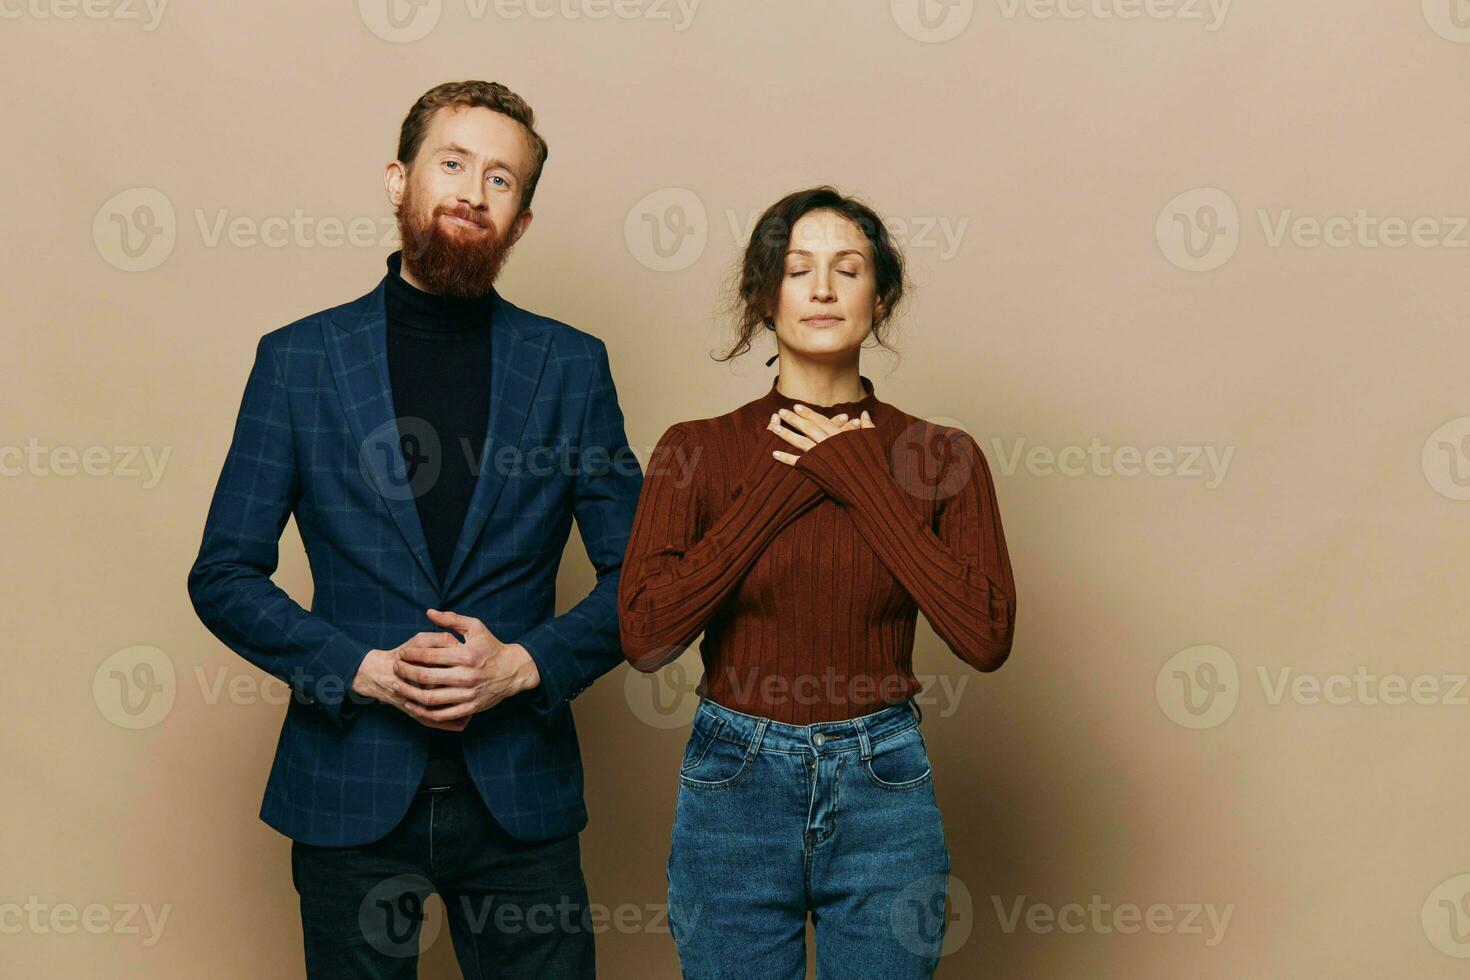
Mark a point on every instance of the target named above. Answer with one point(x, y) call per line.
point(473, 194)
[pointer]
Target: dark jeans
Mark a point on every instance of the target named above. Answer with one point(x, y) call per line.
point(514, 909)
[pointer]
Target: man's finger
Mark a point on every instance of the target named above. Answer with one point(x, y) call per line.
point(423, 697)
point(460, 624)
point(454, 725)
point(408, 693)
point(454, 655)
point(460, 710)
point(432, 639)
point(431, 676)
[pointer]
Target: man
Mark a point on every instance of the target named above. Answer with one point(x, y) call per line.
point(434, 442)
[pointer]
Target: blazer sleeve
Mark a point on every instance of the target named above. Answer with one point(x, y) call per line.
point(574, 649)
point(958, 570)
point(230, 582)
point(678, 571)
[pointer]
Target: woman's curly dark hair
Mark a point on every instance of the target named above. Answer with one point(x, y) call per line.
point(758, 281)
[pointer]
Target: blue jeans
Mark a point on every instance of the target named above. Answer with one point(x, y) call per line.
point(513, 908)
point(836, 820)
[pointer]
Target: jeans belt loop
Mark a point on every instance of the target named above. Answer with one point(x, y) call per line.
point(918, 711)
point(755, 741)
point(863, 740)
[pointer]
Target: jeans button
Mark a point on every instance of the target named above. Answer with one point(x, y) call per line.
point(818, 739)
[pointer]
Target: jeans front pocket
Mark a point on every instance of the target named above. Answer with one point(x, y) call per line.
point(899, 762)
point(710, 761)
point(701, 734)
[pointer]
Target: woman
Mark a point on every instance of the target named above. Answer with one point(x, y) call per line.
point(801, 533)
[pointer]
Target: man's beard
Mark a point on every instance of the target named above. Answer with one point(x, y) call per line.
point(456, 261)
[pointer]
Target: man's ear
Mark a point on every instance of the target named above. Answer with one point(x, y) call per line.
point(395, 179)
point(522, 222)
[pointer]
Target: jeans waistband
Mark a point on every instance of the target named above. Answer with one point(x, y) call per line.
point(755, 733)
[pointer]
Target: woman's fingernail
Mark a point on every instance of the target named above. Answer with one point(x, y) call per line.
point(801, 408)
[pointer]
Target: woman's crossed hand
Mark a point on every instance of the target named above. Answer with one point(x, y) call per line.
point(809, 427)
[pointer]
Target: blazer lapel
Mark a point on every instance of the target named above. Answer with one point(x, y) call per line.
point(518, 349)
point(357, 347)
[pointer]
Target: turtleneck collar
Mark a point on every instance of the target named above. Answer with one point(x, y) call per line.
point(409, 307)
point(774, 399)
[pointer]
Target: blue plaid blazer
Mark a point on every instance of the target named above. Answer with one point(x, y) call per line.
point(316, 437)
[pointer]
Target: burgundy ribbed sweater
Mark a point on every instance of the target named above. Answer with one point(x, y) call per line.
point(806, 579)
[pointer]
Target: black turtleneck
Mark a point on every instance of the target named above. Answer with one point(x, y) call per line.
point(439, 368)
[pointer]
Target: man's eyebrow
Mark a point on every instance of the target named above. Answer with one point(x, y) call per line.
point(462, 151)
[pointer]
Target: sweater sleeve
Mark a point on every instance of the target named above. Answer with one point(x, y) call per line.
point(958, 571)
point(677, 572)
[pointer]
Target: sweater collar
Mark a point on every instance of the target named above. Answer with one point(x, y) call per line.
point(411, 307)
point(774, 399)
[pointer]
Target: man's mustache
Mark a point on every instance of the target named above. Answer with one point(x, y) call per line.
point(467, 215)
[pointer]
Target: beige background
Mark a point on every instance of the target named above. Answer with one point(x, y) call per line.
point(1050, 149)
